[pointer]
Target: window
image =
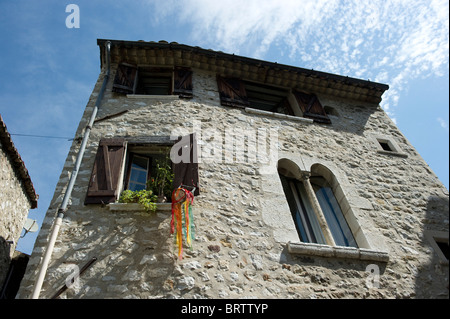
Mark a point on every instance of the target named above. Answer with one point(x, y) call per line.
point(388, 146)
point(143, 80)
point(141, 164)
point(444, 247)
point(267, 98)
point(316, 212)
point(385, 145)
point(440, 244)
point(138, 173)
point(311, 107)
point(304, 218)
point(154, 81)
point(236, 92)
point(128, 164)
point(337, 224)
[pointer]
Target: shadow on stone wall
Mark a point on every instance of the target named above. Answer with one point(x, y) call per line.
point(14, 275)
point(5, 260)
point(133, 258)
point(432, 279)
point(310, 277)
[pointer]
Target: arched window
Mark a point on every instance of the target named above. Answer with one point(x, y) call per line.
point(332, 212)
point(305, 220)
point(315, 209)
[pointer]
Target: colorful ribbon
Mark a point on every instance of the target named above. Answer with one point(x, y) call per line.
point(182, 215)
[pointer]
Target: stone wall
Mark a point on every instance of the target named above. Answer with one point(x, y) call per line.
point(14, 206)
point(243, 223)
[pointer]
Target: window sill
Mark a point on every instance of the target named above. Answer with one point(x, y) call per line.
point(136, 207)
point(337, 252)
point(153, 97)
point(403, 155)
point(278, 115)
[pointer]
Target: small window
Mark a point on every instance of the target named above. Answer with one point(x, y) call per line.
point(142, 80)
point(138, 173)
point(440, 244)
point(388, 146)
point(444, 247)
point(385, 145)
point(154, 81)
point(268, 98)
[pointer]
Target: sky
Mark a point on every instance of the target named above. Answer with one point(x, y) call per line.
point(48, 70)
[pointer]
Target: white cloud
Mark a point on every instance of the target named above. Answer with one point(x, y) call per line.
point(393, 41)
point(442, 123)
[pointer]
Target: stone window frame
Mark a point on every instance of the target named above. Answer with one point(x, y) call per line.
point(433, 237)
point(369, 248)
point(395, 149)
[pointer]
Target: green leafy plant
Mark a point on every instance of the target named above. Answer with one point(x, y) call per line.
point(161, 183)
point(143, 197)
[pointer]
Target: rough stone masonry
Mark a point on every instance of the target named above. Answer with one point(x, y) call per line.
point(246, 242)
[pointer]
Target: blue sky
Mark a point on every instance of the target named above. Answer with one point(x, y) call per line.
point(48, 70)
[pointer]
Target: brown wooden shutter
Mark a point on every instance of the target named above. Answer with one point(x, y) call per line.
point(285, 107)
point(104, 182)
point(311, 107)
point(232, 92)
point(182, 82)
point(186, 173)
point(126, 79)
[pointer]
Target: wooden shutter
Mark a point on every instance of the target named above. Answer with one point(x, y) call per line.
point(182, 82)
point(126, 79)
point(186, 173)
point(285, 107)
point(232, 92)
point(106, 173)
point(311, 107)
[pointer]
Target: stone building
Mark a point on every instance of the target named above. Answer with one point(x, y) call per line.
point(17, 197)
point(304, 188)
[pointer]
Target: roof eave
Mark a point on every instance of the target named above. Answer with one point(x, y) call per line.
point(18, 164)
point(327, 82)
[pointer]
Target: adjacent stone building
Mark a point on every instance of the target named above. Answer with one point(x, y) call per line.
point(17, 197)
point(304, 188)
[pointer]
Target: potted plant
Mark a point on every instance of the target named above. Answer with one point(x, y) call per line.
point(161, 183)
point(144, 197)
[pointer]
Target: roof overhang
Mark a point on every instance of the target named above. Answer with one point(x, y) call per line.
point(224, 64)
point(17, 163)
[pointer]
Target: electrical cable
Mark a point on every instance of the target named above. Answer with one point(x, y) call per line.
point(42, 136)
